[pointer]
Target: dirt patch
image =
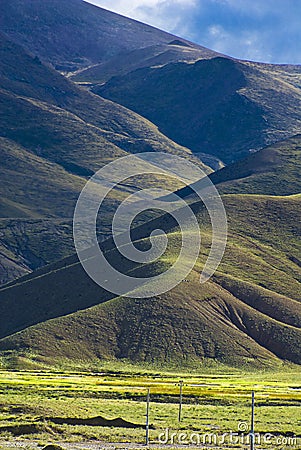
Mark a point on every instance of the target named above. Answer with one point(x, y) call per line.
point(52, 447)
point(95, 422)
point(19, 430)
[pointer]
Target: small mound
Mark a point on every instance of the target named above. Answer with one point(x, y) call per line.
point(20, 429)
point(178, 42)
point(95, 422)
point(52, 447)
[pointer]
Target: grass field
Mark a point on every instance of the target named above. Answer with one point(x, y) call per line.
point(216, 401)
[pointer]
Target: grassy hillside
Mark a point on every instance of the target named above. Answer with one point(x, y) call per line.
point(249, 313)
point(274, 170)
point(264, 242)
point(162, 329)
point(34, 187)
point(53, 135)
point(218, 106)
point(255, 293)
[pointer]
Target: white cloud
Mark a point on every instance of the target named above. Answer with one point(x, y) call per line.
point(135, 8)
point(248, 45)
point(124, 7)
point(264, 30)
point(166, 15)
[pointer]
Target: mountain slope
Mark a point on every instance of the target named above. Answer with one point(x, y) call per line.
point(61, 134)
point(72, 33)
point(50, 192)
point(218, 106)
point(41, 91)
point(157, 330)
point(215, 106)
point(151, 56)
point(274, 170)
point(254, 263)
point(27, 244)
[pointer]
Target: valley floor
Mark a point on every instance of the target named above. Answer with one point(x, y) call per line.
point(215, 412)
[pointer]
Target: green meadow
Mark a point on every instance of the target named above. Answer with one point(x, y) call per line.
point(216, 402)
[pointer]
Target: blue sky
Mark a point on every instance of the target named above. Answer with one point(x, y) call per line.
point(261, 30)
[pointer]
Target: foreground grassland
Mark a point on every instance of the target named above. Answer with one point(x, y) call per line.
point(214, 401)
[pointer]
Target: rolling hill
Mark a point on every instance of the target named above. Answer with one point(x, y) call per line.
point(249, 314)
point(274, 170)
point(217, 106)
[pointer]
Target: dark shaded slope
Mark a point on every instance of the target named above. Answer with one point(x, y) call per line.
point(72, 33)
point(195, 103)
point(27, 244)
point(152, 56)
point(50, 293)
point(218, 106)
point(36, 86)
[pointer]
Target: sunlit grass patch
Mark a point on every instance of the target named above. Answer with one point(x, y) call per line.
point(217, 400)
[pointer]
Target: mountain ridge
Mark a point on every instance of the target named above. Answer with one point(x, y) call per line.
point(97, 34)
point(217, 106)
